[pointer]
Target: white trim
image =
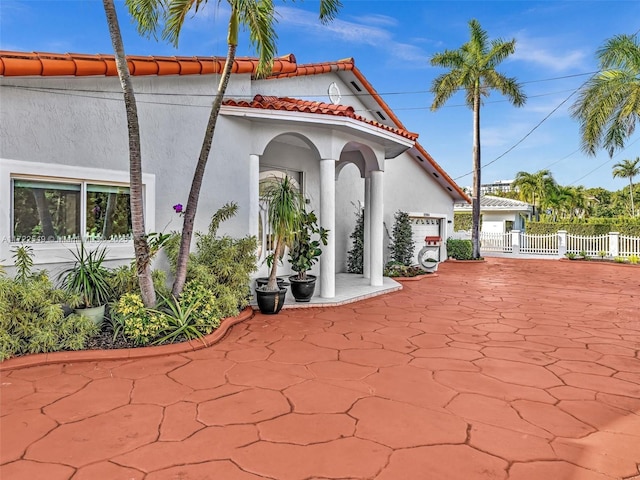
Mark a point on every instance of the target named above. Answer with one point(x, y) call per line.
point(59, 252)
point(314, 118)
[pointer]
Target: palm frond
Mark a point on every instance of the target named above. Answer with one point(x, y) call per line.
point(146, 14)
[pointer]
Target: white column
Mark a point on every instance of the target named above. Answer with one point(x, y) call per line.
point(328, 221)
point(377, 227)
point(254, 194)
point(366, 261)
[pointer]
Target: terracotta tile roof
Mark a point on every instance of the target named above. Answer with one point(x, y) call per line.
point(307, 106)
point(73, 64)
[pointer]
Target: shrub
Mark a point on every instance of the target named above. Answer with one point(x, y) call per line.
point(32, 318)
point(592, 226)
point(138, 324)
point(460, 249)
point(222, 265)
point(462, 221)
point(355, 256)
point(402, 244)
point(124, 279)
point(633, 259)
point(396, 269)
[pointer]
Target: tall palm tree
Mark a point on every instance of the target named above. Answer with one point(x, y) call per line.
point(608, 105)
point(258, 16)
point(140, 244)
point(628, 169)
point(534, 187)
point(472, 68)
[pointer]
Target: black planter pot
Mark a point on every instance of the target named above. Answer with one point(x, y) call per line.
point(302, 290)
point(262, 281)
point(271, 303)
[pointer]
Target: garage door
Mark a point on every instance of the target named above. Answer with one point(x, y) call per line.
point(422, 227)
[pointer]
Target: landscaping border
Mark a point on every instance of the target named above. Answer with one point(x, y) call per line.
point(51, 358)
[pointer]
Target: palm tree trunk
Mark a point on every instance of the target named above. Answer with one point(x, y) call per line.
point(475, 199)
point(140, 245)
point(196, 184)
point(633, 214)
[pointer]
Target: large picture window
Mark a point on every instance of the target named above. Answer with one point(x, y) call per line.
point(64, 211)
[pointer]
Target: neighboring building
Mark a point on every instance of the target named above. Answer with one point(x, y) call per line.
point(64, 153)
point(499, 214)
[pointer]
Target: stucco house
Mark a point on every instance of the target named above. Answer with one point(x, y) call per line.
point(63, 139)
point(499, 214)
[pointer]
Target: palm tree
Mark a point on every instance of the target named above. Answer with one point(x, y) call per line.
point(534, 187)
point(472, 68)
point(140, 244)
point(628, 169)
point(608, 105)
point(258, 16)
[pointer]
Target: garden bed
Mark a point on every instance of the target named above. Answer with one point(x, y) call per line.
point(102, 350)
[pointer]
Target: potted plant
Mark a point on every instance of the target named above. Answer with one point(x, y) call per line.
point(88, 278)
point(285, 206)
point(304, 252)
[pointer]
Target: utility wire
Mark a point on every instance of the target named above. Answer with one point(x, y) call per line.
point(526, 135)
point(606, 162)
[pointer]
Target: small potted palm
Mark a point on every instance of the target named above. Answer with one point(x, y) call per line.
point(285, 206)
point(88, 279)
point(304, 252)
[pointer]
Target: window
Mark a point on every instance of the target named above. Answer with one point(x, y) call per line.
point(50, 210)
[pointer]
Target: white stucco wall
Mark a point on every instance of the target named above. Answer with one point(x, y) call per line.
point(81, 123)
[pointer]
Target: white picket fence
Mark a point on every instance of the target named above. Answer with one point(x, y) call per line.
point(556, 244)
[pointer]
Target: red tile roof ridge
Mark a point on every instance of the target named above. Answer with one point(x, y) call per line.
point(80, 64)
point(267, 102)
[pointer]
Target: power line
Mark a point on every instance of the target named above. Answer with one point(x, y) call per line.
point(604, 163)
point(526, 135)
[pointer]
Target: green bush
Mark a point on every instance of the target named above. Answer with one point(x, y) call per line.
point(460, 249)
point(137, 323)
point(462, 221)
point(197, 313)
point(222, 265)
point(124, 279)
point(402, 244)
point(355, 256)
point(589, 227)
point(32, 318)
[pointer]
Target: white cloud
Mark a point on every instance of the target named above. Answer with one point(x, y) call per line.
point(368, 30)
point(546, 53)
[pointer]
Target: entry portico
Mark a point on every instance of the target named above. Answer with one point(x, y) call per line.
point(332, 136)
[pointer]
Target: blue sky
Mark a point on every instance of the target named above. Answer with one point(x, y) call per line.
point(391, 42)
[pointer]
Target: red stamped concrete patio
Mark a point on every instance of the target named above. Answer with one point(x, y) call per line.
point(507, 369)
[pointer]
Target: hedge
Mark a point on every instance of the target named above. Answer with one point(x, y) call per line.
point(462, 221)
point(460, 249)
point(593, 227)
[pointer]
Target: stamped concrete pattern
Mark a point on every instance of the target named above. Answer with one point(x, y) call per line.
point(505, 369)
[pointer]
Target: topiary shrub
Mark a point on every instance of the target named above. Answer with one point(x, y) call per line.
point(355, 256)
point(460, 249)
point(402, 244)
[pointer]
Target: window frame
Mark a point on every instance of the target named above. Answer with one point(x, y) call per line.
point(59, 251)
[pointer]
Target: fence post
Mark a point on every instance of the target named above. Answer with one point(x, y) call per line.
point(515, 242)
point(562, 243)
point(614, 245)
